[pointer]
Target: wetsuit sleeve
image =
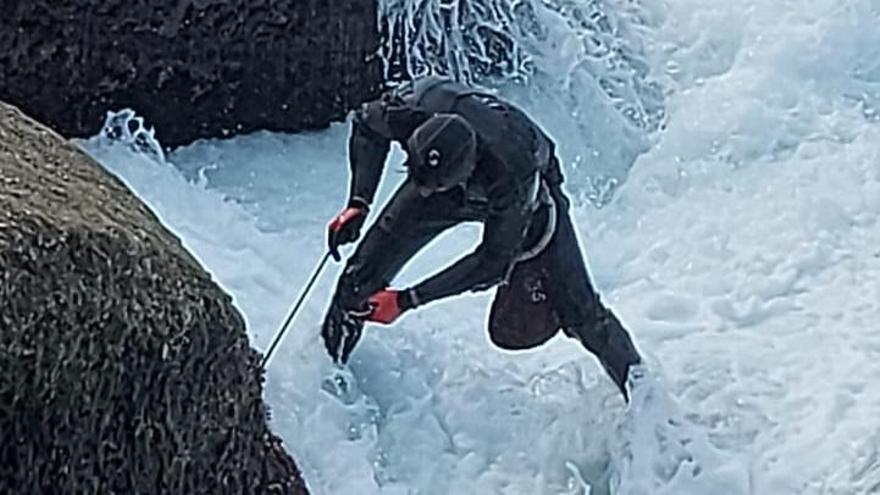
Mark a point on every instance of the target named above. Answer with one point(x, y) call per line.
point(368, 148)
point(503, 235)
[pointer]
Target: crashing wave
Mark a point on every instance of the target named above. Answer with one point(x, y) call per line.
point(587, 55)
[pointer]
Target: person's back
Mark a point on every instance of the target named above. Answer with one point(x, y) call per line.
point(509, 144)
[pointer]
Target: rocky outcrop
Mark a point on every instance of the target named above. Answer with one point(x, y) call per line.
point(193, 68)
point(126, 369)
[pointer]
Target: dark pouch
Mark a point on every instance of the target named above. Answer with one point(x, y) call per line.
point(522, 314)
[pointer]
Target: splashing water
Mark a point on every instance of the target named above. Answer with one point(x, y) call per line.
point(740, 249)
point(127, 128)
point(583, 60)
point(665, 453)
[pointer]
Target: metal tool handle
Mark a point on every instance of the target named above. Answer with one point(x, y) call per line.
point(296, 306)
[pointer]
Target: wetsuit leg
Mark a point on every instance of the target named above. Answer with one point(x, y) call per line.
point(406, 224)
point(580, 310)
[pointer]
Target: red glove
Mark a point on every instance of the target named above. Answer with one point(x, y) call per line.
point(386, 306)
point(345, 228)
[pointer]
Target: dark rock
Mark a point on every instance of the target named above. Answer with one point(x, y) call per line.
point(125, 368)
point(193, 68)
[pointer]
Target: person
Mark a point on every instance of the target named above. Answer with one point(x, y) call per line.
point(471, 156)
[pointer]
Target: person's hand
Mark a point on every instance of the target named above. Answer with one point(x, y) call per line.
point(341, 332)
point(345, 228)
point(344, 326)
point(386, 306)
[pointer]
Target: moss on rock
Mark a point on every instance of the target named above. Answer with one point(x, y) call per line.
point(125, 368)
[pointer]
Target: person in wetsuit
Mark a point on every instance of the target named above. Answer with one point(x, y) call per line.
point(471, 157)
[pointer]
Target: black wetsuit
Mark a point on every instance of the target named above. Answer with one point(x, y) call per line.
point(516, 177)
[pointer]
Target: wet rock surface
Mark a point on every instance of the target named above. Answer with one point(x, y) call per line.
point(126, 369)
point(193, 68)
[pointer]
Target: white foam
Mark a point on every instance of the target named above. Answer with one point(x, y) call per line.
point(741, 251)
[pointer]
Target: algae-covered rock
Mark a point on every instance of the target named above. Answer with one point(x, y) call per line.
point(193, 68)
point(125, 368)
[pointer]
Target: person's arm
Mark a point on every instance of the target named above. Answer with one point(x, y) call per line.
point(368, 148)
point(485, 267)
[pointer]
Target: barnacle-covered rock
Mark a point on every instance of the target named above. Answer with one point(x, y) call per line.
point(193, 68)
point(125, 368)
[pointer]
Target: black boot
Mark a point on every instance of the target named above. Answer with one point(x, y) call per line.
point(611, 344)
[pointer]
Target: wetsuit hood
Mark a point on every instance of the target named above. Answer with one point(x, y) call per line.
point(442, 153)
